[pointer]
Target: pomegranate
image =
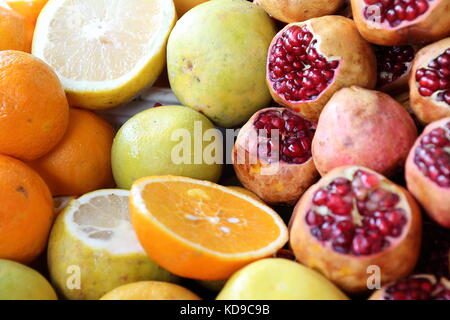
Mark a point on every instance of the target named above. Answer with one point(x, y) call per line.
point(398, 22)
point(354, 218)
point(394, 66)
point(428, 171)
point(299, 10)
point(306, 64)
point(363, 127)
point(416, 287)
point(272, 155)
point(430, 82)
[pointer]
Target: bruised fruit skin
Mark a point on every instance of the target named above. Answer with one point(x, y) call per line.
point(394, 67)
point(429, 82)
point(279, 279)
point(363, 127)
point(417, 287)
point(299, 10)
point(216, 60)
point(398, 22)
point(354, 218)
point(276, 165)
point(428, 171)
point(306, 65)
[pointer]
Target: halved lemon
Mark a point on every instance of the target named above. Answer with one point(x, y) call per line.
point(104, 51)
point(201, 230)
point(94, 249)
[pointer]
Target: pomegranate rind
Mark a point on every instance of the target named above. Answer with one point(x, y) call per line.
point(434, 199)
point(365, 128)
point(357, 61)
point(433, 25)
point(274, 183)
point(427, 109)
point(351, 272)
point(289, 11)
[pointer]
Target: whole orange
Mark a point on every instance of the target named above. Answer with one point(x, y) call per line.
point(81, 162)
point(30, 9)
point(15, 32)
point(34, 112)
point(26, 211)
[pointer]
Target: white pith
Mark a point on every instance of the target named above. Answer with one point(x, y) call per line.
point(84, 220)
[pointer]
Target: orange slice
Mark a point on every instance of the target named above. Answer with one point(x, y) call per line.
point(200, 230)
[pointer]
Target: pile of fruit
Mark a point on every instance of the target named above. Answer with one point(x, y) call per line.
point(337, 185)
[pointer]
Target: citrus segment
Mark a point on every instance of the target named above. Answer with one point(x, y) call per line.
point(201, 230)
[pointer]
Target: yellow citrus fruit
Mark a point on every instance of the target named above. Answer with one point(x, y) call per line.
point(279, 279)
point(150, 290)
point(201, 230)
point(145, 146)
point(104, 52)
point(19, 282)
point(93, 247)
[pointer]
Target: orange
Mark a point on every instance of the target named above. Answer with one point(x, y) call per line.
point(200, 230)
point(34, 112)
point(150, 290)
point(81, 162)
point(26, 211)
point(29, 9)
point(15, 33)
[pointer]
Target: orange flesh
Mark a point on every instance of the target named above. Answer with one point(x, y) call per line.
point(210, 217)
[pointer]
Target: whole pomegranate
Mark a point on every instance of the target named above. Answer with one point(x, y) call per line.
point(398, 22)
point(354, 218)
point(393, 67)
point(272, 155)
point(299, 10)
point(363, 127)
point(428, 171)
point(306, 64)
point(416, 287)
point(430, 82)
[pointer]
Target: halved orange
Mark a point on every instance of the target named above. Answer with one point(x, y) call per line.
point(201, 230)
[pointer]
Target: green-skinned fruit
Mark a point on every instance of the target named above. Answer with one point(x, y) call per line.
point(19, 282)
point(216, 60)
point(156, 141)
point(93, 248)
point(279, 279)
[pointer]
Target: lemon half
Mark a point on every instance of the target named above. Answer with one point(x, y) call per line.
point(104, 51)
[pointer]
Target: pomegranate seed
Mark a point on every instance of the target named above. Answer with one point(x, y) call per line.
point(397, 11)
point(293, 54)
point(433, 157)
point(417, 288)
point(393, 62)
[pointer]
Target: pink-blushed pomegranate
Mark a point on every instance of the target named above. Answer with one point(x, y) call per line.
point(363, 127)
point(427, 171)
point(354, 218)
point(272, 155)
point(393, 67)
point(299, 10)
point(306, 64)
point(399, 22)
point(430, 82)
point(416, 287)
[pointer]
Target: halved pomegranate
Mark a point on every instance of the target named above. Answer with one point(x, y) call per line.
point(428, 171)
point(363, 127)
point(306, 64)
point(354, 218)
point(299, 10)
point(394, 66)
point(430, 82)
point(272, 155)
point(398, 22)
point(416, 287)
